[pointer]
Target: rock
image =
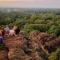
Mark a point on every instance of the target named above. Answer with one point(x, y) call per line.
point(34, 47)
point(15, 46)
point(15, 54)
point(14, 42)
point(3, 55)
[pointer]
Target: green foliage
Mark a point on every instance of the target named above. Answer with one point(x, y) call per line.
point(55, 55)
point(28, 21)
point(38, 27)
point(54, 30)
point(2, 46)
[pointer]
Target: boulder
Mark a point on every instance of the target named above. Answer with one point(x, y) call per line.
point(3, 54)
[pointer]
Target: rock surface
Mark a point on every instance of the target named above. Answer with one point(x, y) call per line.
point(3, 55)
point(34, 47)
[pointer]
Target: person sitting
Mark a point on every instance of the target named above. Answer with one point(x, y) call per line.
point(12, 32)
point(3, 31)
point(17, 30)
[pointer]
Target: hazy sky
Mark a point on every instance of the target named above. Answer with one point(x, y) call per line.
point(30, 3)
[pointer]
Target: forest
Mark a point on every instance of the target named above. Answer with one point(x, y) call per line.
point(34, 20)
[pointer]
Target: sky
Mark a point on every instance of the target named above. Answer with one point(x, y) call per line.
point(30, 3)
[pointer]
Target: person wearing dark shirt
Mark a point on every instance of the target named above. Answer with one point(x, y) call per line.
point(17, 30)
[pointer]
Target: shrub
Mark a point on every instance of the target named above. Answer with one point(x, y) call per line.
point(33, 27)
point(55, 55)
point(54, 30)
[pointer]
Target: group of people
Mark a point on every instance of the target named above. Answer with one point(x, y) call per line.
point(12, 31)
point(8, 31)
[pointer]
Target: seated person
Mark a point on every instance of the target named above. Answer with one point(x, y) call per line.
point(12, 33)
point(17, 30)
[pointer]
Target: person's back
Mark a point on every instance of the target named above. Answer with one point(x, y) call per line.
point(17, 30)
point(11, 32)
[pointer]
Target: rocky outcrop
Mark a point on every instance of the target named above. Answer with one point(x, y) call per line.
point(37, 46)
point(3, 54)
point(15, 45)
